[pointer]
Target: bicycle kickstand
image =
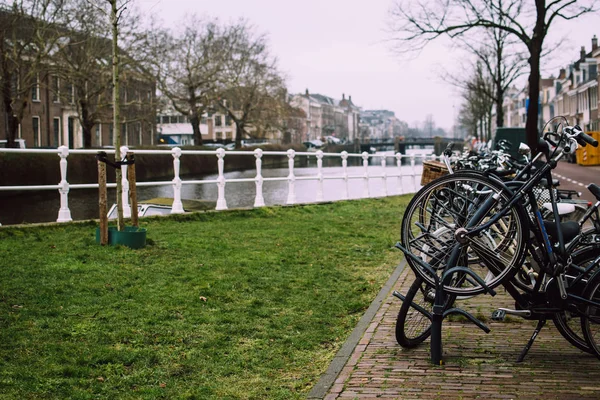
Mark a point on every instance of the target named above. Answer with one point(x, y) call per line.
point(537, 330)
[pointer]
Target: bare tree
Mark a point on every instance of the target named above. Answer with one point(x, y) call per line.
point(252, 91)
point(476, 111)
point(501, 62)
point(429, 125)
point(418, 22)
point(27, 35)
point(187, 66)
point(82, 63)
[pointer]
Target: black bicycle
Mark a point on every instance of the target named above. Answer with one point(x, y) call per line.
point(495, 230)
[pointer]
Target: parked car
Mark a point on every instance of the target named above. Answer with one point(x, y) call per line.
point(313, 145)
point(213, 145)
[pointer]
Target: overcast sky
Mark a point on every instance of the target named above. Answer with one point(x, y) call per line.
point(341, 46)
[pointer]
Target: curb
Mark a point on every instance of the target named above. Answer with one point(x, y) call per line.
point(341, 358)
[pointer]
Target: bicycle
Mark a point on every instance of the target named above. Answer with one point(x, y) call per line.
point(454, 214)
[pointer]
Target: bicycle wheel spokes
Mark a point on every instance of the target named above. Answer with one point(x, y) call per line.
point(441, 208)
point(413, 325)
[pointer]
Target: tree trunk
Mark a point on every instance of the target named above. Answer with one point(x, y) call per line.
point(239, 133)
point(535, 51)
point(499, 105)
point(87, 124)
point(195, 121)
point(116, 110)
point(11, 124)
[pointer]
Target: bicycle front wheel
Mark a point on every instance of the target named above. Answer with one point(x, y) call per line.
point(431, 224)
point(413, 325)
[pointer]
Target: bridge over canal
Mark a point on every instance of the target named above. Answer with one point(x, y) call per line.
point(399, 146)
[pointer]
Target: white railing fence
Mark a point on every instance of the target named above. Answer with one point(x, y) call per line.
point(385, 174)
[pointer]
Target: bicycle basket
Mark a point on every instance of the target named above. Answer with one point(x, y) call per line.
point(432, 170)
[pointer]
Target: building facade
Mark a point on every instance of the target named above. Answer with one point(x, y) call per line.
point(572, 94)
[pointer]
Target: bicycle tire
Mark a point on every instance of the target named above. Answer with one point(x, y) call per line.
point(569, 326)
point(412, 326)
point(590, 323)
point(447, 203)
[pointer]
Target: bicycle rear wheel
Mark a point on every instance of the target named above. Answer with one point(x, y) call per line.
point(413, 325)
point(569, 324)
point(441, 208)
point(590, 323)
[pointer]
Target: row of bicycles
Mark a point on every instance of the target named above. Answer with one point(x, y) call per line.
point(497, 221)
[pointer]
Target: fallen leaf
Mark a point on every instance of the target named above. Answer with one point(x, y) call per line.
point(162, 385)
point(17, 306)
point(203, 298)
point(100, 379)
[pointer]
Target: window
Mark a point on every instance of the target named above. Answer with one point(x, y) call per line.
point(139, 129)
point(99, 134)
point(594, 98)
point(55, 89)
point(227, 120)
point(71, 93)
point(218, 120)
point(35, 127)
point(56, 131)
point(181, 119)
point(174, 119)
point(111, 134)
point(165, 119)
point(203, 120)
point(35, 89)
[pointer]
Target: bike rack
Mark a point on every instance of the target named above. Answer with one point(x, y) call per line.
point(438, 315)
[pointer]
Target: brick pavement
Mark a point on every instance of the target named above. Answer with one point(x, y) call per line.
point(477, 365)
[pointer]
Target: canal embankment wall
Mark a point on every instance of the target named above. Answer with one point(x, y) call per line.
point(17, 169)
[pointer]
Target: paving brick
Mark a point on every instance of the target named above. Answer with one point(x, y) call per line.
point(477, 365)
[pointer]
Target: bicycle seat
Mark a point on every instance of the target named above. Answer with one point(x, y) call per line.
point(570, 229)
point(595, 189)
point(544, 182)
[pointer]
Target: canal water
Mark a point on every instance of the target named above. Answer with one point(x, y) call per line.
point(43, 206)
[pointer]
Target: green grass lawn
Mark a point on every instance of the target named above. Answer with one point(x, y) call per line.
point(235, 304)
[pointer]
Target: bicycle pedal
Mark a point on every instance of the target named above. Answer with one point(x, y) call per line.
point(498, 315)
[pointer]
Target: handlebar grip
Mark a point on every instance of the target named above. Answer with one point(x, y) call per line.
point(588, 139)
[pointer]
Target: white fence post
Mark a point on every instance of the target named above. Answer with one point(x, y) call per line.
point(383, 172)
point(320, 175)
point(399, 162)
point(259, 201)
point(125, 185)
point(221, 202)
point(291, 178)
point(412, 166)
point(177, 207)
point(365, 157)
point(345, 194)
point(64, 214)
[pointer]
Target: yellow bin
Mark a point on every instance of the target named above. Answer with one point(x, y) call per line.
point(589, 155)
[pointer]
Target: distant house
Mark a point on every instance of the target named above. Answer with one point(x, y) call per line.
point(51, 108)
point(381, 124)
point(326, 116)
point(573, 94)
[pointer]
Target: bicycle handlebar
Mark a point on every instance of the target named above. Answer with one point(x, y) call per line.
point(588, 139)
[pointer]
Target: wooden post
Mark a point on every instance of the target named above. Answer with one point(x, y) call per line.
point(132, 190)
point(102, 203)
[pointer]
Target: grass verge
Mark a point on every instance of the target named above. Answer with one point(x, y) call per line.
point(235, 304)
